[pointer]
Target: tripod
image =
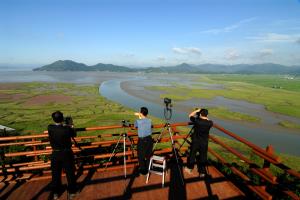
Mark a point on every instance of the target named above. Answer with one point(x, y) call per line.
point(169, 129)
point(124, 135)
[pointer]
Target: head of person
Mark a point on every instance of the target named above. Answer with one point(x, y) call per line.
point(203, 113)
point(144, 111)
point(58, 117)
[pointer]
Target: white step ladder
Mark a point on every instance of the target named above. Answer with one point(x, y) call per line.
point(158, 162)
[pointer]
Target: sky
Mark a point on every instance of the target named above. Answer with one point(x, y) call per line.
point(144, 33)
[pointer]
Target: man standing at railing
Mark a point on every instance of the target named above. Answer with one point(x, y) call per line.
point(62, 155)
point(199, 137)
point(145, 144)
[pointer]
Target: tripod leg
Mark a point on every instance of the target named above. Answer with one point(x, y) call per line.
point(124, 155)
point(159, 137)
point(175, 152)
point(131, 145)
point(113, 153)
point(185, 139)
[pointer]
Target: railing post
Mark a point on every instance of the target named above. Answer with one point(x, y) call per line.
point(34, 149)
point(2, 160)
point(270, 150)
point(266, 165)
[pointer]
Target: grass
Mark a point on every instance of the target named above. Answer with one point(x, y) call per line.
point(86, 107)
point(280, 82)
point(289, 124)
point(243, 87)
point(224, 113)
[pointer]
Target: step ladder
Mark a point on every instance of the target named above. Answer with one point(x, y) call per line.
point(157, 165)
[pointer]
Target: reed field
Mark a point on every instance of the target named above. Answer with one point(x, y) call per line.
point(278, 94)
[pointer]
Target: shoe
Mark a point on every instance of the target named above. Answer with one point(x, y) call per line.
point(55, 196)
point(71, 196)
point(145, 172)
point(188, 170)
point(202, 175)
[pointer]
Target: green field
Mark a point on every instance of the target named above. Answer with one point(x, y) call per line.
point(277, 93)
point(28, 106)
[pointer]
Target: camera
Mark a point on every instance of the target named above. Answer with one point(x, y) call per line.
point(68, 121)
point(168, 108)
point(125, 123)
point(167, 101)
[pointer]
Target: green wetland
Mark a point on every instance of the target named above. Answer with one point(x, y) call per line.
point(27, 105)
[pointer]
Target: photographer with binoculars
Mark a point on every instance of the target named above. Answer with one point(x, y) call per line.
point(199, 137)
point(60, 135)
point(145, 144)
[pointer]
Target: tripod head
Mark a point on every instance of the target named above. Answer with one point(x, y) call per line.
point(126, 123)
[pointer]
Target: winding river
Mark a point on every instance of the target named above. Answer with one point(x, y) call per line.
point(283, 140)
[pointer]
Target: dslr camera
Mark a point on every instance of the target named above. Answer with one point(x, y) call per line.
point(167, 101)
point(125, 123)
point(68, 121)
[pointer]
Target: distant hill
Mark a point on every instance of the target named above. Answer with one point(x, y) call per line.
point(69, 65)
point(63, 65)
point(265, 68)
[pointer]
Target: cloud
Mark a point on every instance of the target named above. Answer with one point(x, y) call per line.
point(161, 58)
point(230, 27)
point(232, 54)
point(187, 50)
point(275, 37)
point(128, 55)
point(265, 52)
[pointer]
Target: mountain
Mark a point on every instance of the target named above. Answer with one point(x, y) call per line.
point(264, 68)
point(110, 67)
point(63, 65)
point(69, 65)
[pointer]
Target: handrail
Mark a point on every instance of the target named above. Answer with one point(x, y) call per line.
point(273, 159)
point(263, 153)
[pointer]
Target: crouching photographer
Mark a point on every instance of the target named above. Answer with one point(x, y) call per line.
point(60, 135)
point(199, 137)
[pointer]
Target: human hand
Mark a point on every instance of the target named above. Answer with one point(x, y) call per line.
point(137, 114)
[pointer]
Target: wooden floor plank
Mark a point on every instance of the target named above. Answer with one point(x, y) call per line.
point(113, 185)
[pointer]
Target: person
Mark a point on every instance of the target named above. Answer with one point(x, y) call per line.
point(145, 144)
point(62, 155)
point(199, 143)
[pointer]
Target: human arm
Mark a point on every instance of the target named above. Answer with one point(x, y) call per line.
point(139, 115)
point(72, 131)
point(192, 114)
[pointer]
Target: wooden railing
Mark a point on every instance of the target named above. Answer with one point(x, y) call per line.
point(27, 157)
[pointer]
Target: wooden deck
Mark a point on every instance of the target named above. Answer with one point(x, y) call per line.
point(113, 185)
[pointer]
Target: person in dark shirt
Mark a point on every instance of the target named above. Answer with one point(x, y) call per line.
point(199, 137)
point(62, 155)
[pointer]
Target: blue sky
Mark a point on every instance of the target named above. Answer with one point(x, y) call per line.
point(150, 32)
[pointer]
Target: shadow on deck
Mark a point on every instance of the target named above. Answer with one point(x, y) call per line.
point(113, 185)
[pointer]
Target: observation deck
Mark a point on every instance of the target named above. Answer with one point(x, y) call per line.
point(233, 172)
